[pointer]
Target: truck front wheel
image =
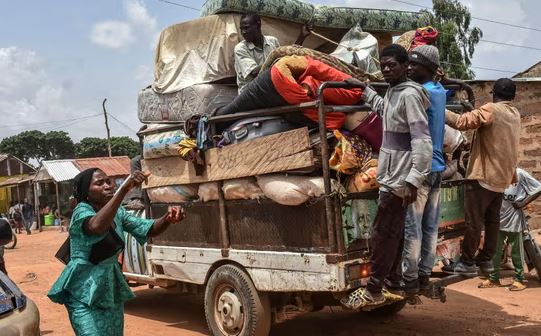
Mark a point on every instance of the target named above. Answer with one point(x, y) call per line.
point(233, 306)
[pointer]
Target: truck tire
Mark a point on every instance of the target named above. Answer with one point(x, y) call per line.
point(534, 255)
point(233, 306)
point(388, 310)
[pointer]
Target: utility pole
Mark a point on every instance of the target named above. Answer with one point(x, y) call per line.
point(107, 127)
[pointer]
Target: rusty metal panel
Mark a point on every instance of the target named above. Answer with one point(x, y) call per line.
point(266, 225)
point(111, 166)
point(200, 228)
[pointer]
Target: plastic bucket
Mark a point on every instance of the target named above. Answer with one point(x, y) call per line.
point(49, 220)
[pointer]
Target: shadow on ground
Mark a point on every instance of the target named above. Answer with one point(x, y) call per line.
point(462, 315)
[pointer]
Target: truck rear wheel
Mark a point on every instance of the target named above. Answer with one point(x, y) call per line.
point(233, 306)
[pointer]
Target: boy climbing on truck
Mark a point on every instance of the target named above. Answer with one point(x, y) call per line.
point(404, 163)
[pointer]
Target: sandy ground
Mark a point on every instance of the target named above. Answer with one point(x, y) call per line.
point(468, 310)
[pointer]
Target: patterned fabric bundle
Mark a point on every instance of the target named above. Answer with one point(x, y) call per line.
point(350, 154)
point(423, 36)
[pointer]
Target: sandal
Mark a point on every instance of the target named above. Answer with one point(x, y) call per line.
point(360, 298)
point(393, 297)
point(489, 284)
point(517, 286)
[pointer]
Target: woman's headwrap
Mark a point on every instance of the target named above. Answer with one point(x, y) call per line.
point(81, 184)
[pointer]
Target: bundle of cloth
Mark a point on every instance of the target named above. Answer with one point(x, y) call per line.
point(294, 80)
point(421, 36)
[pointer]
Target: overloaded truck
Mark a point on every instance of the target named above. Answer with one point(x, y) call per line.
point(271, 223)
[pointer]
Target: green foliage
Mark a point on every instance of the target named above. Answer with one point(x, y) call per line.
point(58, 145)
point(457, 38)
point(124, 146)
point(97, 147)
point(40, 146)
point(91, 147)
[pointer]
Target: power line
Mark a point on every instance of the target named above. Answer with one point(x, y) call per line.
point(180, 5)
point(121, 122)
point(481, 68)
point(50, 121)
point(473, 17)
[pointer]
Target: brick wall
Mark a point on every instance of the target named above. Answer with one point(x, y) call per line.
point(528, 101)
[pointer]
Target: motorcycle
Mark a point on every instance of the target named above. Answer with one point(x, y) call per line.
point(532, 250)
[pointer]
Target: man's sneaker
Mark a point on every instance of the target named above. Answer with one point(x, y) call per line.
point(411, 287)
point(486, 267)
point(424, 282)
point(460, 268)
point(362, 297)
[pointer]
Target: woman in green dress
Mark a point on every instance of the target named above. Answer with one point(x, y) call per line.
point(94, 292)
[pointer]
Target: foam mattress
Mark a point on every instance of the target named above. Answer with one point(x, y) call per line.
point(179, 106)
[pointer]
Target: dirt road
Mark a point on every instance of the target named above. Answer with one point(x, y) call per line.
point(468, 311)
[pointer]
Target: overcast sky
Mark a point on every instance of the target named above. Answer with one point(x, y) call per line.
point(59, 59)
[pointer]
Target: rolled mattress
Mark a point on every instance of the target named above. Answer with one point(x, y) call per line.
point(371, 20)
point(179, 106)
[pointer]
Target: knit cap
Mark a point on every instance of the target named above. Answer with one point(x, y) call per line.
point(426, 55)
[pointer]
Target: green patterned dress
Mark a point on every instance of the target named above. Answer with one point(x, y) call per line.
point(94, 295)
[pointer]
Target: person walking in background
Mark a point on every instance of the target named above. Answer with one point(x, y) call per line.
point(28, 215)
point(422, 218)
point(491, 168)
point(512, 223)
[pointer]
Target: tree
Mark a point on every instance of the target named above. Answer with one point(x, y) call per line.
point(124, 146)
point(91, 147)
point(457, 39)
point(58, 145)
point(97, 147)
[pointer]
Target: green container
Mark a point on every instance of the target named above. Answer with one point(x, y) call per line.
point(49, 220)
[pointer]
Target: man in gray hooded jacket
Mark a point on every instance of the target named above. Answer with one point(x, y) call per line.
point(405, 161)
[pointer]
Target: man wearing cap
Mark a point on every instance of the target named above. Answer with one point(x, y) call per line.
point(491, 169)
point(422, 217)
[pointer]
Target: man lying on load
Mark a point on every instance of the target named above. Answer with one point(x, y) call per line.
point(294, 80)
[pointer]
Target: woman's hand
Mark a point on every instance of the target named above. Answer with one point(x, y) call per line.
point(135, 179)
point(175, 214)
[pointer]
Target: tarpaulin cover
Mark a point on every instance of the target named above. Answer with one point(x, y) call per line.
point(201, 51)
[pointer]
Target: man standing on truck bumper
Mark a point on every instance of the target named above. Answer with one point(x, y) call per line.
point(404, 163)
point(491, 169)
point(422, 218)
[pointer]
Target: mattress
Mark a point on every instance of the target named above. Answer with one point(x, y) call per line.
point(371, 20)
point(179, 106)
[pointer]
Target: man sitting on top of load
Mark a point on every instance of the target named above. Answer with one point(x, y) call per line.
point(251, 53)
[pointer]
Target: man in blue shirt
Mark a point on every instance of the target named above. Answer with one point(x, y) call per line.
point(422, 218)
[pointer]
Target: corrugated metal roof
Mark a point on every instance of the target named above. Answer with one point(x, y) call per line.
point(60, 170)
point(111, 166)
point(3, 156)
point(16, 180)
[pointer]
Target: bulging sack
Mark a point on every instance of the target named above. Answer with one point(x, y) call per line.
point(290, 189)
point(452, 139)
point(242, 188)
point(235, 189)
point(365, 179)
point(173, 194)
point(162, 144)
